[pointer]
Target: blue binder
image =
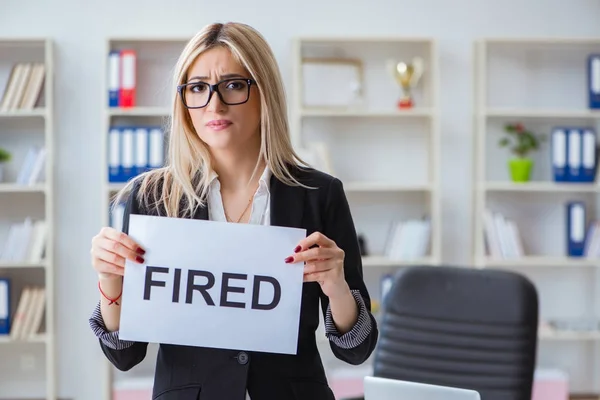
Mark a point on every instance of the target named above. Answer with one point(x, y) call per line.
point(142, 149)
point(127, 167)
point(576, 230)
point(386, 283)
point(574, 146)
point(113, 72)
point(588, 155)
point(156, 155)
point(558, 154)
point(114, 154)
point(593, 81)
point(4, 306)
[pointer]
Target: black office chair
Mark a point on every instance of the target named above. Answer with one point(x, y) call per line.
point(460, 327)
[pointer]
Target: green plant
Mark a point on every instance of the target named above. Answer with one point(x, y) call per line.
point(5, 156)
point(520, 140)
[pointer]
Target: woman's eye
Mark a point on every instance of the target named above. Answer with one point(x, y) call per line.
point(234, 86)
point(197, 88)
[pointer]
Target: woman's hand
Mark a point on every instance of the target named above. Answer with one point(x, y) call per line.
point(324, 264)
point(110, 249)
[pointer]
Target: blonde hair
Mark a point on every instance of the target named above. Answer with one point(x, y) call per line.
point(182, 184)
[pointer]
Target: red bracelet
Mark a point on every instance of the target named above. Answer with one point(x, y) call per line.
point(112, 301)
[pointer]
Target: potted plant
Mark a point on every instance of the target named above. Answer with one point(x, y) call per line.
point(5, 157)
point(521, 142)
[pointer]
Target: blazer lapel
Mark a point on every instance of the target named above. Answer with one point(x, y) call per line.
point(201, 212)
point(287, 204)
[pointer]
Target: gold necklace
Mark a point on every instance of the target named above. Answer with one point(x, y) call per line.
point(243, 213)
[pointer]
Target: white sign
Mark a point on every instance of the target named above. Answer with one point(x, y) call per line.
point(213, 284)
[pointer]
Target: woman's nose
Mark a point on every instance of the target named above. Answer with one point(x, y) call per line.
point(215, 104)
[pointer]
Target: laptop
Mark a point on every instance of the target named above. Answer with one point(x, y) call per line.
point(376, 388)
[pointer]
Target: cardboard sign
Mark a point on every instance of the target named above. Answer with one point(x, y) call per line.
point(213, 284)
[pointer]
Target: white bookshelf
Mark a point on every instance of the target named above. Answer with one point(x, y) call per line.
point(156, 57)
point(28, 368)
point(541, 83)
point(387, 158)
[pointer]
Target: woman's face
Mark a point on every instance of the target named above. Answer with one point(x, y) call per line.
point(220, 125)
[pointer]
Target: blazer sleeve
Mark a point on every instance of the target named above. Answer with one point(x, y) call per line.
point(355, 346)
point(124, 355)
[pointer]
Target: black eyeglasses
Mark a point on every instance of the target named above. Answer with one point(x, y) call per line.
point(231, 91)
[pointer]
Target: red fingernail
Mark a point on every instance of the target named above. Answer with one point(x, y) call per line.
point(141, 251)
point(289, 259)
point(297, 249)
point(139, 259)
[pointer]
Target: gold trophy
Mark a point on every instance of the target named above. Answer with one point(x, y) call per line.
point(407, 75)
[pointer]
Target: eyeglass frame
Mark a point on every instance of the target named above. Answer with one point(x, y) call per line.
point(212, 88)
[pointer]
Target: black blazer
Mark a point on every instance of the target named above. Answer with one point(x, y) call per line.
point(190, 373)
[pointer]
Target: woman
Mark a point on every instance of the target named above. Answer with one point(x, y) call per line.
point(231, 159)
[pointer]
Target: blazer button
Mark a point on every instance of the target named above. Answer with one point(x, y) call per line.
point(242, 357)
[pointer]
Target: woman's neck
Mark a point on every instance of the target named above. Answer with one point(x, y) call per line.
point(235, 169)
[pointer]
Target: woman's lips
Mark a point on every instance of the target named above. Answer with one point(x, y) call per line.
point(218, 124)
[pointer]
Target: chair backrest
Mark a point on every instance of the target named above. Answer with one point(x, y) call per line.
point(461, 327)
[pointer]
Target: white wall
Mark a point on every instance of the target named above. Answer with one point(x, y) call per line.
point(80, 29)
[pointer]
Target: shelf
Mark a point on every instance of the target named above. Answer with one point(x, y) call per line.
point(541, 113)
point(550, 41)
point(5, 339)
point(382, 261)
point(140, 111)
point(569, 335)
point(145, 39)
point(552, 187)
point(115, 187)
point(541, 262)
point(385, 187)
point(424, 112)
point(135, 383)
point(17, 188)
point(364, 39)
point(36, 112)
point(18, 265)
point(24, 42)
